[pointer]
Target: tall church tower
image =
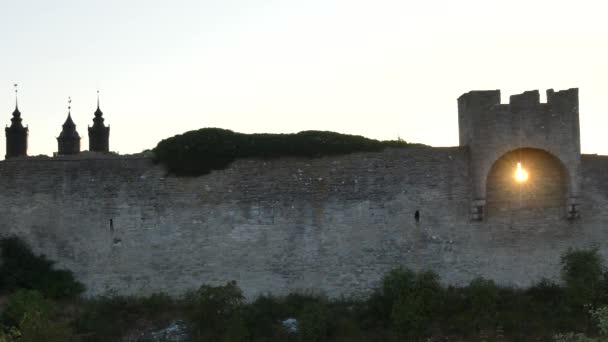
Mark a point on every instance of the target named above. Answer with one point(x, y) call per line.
point(99, 134)
point(16, 134)
point(69, 139)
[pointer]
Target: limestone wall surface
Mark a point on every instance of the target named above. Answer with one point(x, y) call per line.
point(334, 225)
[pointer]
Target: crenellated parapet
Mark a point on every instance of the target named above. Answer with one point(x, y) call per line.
point(491, 129)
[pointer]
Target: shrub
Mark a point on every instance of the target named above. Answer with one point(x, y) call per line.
point(9, 334)
point(582, 273)
point(199, 152)
point(29, 316)
point(24, 302)
point(601, 316)
point(413, 310)
point(23, 269)
point(109, 318)
point(312, 323)
point(263, 316)
point(395, 284)
point(545, 292)
point(36, 327)
point(213, 309)
point(483, 297)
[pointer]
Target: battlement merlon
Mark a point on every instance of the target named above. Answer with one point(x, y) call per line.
point(478, 100)
point(526, 101)
point(563, 101)
point(471, 106)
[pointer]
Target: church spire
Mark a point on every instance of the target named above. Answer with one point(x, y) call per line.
point(16, 100)
point(16, 120)
point(69, 139)
point(16, 134)
point(99, 134)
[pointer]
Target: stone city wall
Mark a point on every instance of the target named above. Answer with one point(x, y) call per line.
point(333, 225)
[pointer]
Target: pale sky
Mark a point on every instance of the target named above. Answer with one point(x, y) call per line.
point(374, 68)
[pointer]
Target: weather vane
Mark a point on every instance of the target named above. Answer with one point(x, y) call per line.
point(69, 103)
point(16, 90)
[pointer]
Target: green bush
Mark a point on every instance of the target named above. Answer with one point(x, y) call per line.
point(413, 310)
point(263, 316)
point(22, 269)
point(582, 272)
point(216, 310)
point(395, 284)
point(36, 327)
point(295, 302)
point(312, 323)
point(9, 334)
point(30, 315)
point(23, 302)
point(483, 297)
point(600, 315)
point(109, 318)
point(199, 152)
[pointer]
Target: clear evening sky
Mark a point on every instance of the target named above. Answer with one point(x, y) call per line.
point(374, 68)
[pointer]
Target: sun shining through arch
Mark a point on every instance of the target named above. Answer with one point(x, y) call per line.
point(525, 179)
point(521, 175)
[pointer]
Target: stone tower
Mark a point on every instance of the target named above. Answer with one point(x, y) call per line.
point(523, 128)
point(16, 136)
point(69, 139)
point(99, 134)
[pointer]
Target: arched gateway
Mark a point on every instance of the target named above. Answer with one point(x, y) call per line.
point(526, 179)
point(543, 137)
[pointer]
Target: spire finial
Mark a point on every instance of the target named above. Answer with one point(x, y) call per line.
point(69, 104)
point(16, 97)
point(97, 98)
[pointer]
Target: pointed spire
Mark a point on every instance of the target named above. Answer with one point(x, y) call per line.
point(16, 134)
point(68, 126)
point(99, 134)
point(69, 139)
point(16, 119)
point(98, 112)
point(16, 113)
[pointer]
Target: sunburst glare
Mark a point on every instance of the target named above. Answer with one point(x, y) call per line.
point(521, 175)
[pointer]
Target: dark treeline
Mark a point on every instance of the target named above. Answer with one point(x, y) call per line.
point(44, 304)
point(199, 152)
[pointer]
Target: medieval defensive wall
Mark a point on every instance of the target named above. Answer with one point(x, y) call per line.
point(333, 225)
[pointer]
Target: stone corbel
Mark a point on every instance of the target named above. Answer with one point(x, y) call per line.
point(573, 208)
point(477, 209)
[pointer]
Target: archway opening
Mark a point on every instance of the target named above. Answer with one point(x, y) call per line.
point(526, 180)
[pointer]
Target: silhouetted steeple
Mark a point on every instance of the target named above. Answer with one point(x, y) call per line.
point(99, 134)
point(16, 134)
point(69, 139)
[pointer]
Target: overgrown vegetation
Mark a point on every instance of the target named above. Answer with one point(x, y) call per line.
point(21, 269)
point(408, 306)
point(199, 152)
